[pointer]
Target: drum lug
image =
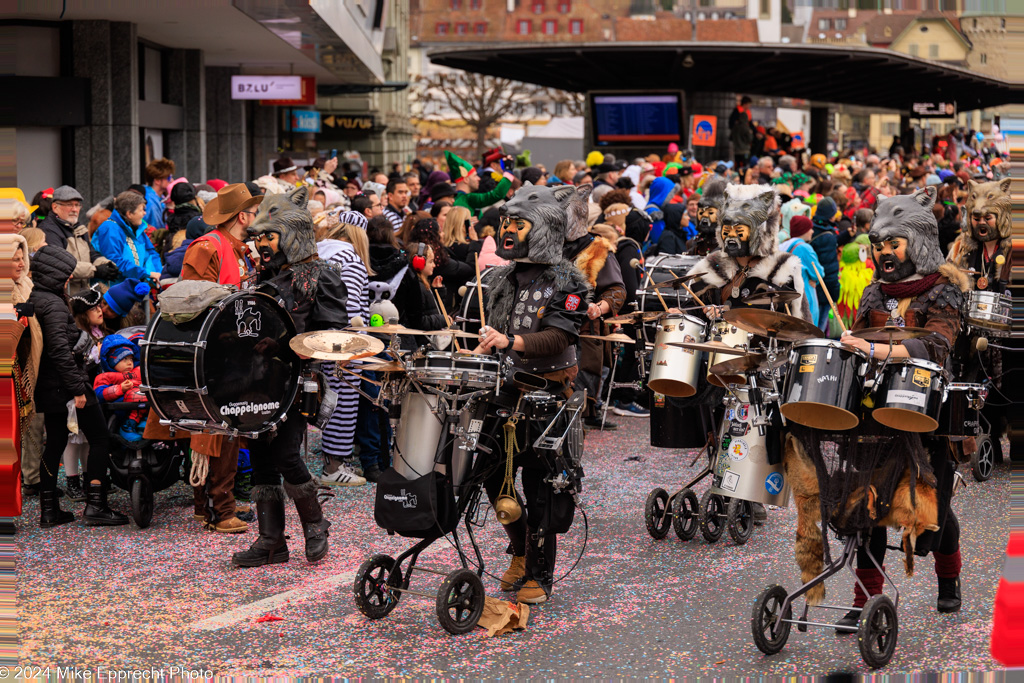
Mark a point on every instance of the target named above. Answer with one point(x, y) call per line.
point(828, 356)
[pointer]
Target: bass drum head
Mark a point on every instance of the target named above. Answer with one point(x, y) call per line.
point(905, 420)
point(250, 372)
point(820, 416)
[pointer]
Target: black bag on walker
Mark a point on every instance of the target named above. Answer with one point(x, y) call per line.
point(415, 508)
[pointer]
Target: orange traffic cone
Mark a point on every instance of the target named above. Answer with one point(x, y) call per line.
point(1008, 614)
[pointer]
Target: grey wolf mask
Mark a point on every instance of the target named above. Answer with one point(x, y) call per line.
point(757, 207)
point(286, 215)
point(709, 208)
point(984, 198)
point(542, 218)
point(911, 217)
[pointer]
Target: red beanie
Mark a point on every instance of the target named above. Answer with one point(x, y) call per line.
point(799, 226)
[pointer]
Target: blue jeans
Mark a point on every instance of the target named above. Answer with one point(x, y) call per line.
point(371, 423)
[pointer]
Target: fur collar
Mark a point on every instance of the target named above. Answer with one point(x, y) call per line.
point(782, 269)
point(955, 276)
point(591, 260)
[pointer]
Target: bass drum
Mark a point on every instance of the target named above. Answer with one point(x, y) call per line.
point(228, 370)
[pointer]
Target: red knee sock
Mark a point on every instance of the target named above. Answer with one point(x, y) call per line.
point(947, 566)
point(872, 580)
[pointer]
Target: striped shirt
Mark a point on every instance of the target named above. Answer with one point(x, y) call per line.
point(395, 217)
point(353, 274)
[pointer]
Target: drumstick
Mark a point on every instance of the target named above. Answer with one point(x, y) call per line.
point(828, 296)
point(687, 288)
point(479, 288)
point(447, 320)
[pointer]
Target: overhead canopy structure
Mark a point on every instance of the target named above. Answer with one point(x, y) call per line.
point(822, 73)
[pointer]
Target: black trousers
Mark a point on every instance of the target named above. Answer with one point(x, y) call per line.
point(94, 425)
point(278, 455)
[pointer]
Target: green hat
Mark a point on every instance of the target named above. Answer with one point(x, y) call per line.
point(458, 168)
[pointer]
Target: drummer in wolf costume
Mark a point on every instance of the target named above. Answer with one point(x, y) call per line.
point(914, 287)
point(314, 294)
point(535, 308)
point(709, 216)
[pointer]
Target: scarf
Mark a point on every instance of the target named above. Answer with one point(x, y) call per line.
point(906, 290)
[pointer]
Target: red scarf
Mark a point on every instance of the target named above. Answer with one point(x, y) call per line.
point(904, 290)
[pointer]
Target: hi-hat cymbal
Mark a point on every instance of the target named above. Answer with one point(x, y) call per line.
point(776, 297)
point(614, 337)
point(711, 347)
point(385, 329)
point(335, 345)
point(752, 362)
point(452, 333)
point(676, 282)
point(635, 317)
point(771, 324)
point(896, 334)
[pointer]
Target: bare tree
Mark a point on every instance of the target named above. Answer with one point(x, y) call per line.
point(575, 103)
point(481, 101)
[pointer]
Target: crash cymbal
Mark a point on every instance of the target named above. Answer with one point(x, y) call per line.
point(614, 337)
point(635, 317)
point(710, 347)
point(752, 362)
point(335, 345)
point(385, 329)
point(896, 334)
point(383, 366)
point(776, 297)
point(771, 324)
point(676, 282)
point(452, 333)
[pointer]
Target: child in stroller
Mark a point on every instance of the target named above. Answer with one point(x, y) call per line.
point(120, 381)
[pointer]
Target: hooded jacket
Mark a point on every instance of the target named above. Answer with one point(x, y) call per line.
point(61, 375)
point(660, 192)
point(129, 248)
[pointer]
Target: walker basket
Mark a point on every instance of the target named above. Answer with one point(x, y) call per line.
point(416, 508)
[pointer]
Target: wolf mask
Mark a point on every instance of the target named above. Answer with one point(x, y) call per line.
point(286, 216)
point(988, 198)
point(757, 209)
point(910, 217)
point(538, 220)
point(709, 207)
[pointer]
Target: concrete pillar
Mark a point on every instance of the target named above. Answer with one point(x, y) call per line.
point(265, 124)
point(107, 150)
point(711, 104)
point(819, 130)
point(226, 149)
point(186, 87)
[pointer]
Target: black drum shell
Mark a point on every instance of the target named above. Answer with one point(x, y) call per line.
point(906, 416)
point(958, 418)
point(673, 426)
point(251, 379)
point(823, 391)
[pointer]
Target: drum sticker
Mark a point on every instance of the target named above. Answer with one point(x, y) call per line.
point(726, 440)
point(738, 450)
point(730, 481)
point(475, 426)
point(181, 406)
point(911, 398)
point(743, 412)
point(688, 339)
point(730, 415)
point(572, 302)
point(774, 483)
point(247, 319)
point(922, 378)
point(739, 429)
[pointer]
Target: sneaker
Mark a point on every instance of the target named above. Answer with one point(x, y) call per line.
point(595, 423)
point(630, 410)
point(342, 477)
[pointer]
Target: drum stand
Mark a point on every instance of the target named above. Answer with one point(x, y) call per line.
point(640, 353)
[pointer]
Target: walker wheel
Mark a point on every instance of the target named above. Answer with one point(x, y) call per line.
point(877, 631)
point(373, 586)
point(685, 514)
point(712, 516)
point(142, 502)
point(654, 513)
point(460, 601)
point(766, 625)
point(983, 460)
point(741, 520)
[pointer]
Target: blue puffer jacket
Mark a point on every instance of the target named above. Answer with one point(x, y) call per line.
point(660, 189)
point(112, 240)
point(154, 209)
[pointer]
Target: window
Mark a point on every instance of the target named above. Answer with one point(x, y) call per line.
point(887, 31)
point(766, 9)
point(524, 27)
point(519, 109)
point(823, 24)
point(539, 109)
point(559, 108)
point(480, 28)
point(984, 58)
point(538, 6)
point(840, 24)
point(912, 49)
point(576, 27)
point(550, 27)
point(441, 29)
point(461, 28)
point(476, 4)
point(456, 4)
point(933, 52)
point(564, 6)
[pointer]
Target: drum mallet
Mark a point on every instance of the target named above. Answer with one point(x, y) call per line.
point(828, 296)
point(687, 288)
point(447, 320)
point(479, 289)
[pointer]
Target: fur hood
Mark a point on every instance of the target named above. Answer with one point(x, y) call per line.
point(759, 207)
point(911, 217)
point(781, 269)
point(956, 277)
point(713, 192)
point(983, 198)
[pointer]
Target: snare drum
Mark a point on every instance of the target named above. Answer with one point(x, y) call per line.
point(675, 371)
point(909, 395)
point(446, 368)
point(960, 411)
point(989, 311)
point(735, 337)
point(825, 385)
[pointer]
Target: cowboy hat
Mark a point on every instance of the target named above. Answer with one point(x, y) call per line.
point(229, 202)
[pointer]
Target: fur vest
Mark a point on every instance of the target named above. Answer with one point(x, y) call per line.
point(779, 268)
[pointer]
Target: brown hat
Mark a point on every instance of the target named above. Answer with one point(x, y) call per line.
point(229, 202)
point(284, 165)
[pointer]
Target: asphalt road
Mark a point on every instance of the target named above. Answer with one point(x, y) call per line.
point(167, 596)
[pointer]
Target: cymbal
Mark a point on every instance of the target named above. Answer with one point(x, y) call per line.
point(635, 317)
point(710, 347)
point(775, 297)
point(452, 333)
point(385, 329)
point(614, 337)
point(772, 324)
point(752, 362)
point(335, 345)
point(885, 334)
point(383, 366)
point(676, 282)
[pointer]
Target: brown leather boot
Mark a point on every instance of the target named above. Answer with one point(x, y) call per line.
point(515, 572)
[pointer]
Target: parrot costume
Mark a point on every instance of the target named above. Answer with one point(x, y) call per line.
point(855, 272)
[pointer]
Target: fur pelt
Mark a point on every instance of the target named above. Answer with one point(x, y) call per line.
point(300, 491)
point(591, 260)
point(713, 192)
point(911, 217)
point(501, 289)
point(983, 198)
point(291, 221)
point(956, 277)
point(759, 208)
point(554, 213)
point(780, 268)
point(261, 493)
point(607, 232)
point(810, 545)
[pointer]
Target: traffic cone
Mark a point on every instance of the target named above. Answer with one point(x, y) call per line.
point(1008, 614)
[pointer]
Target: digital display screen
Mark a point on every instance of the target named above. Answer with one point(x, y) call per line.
point(628, 118)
